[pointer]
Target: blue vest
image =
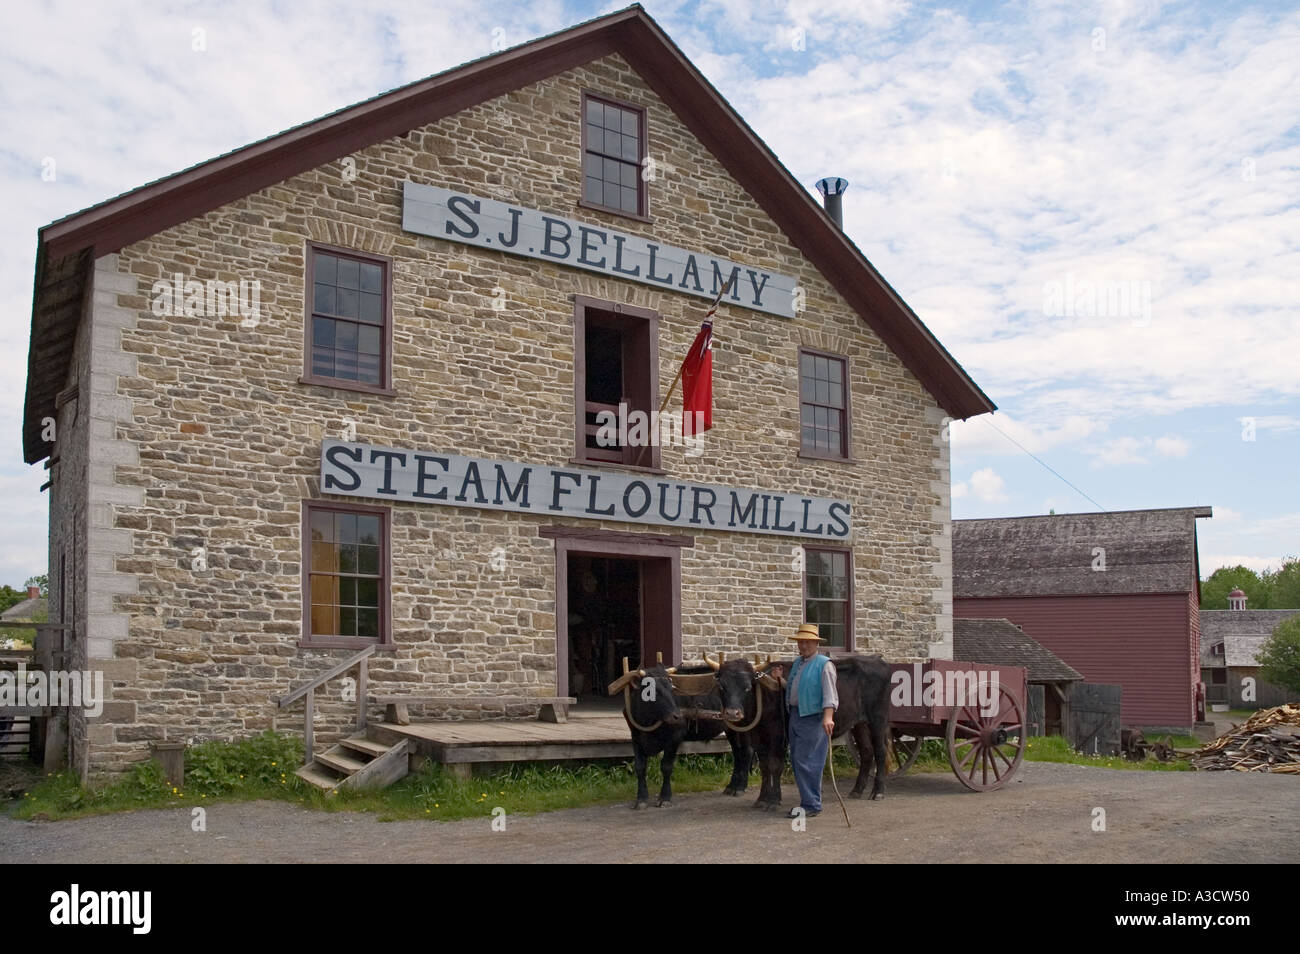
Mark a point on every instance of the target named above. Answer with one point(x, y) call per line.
point(810, 684)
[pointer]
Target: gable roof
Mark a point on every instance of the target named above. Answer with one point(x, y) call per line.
point(67, 246)
point(1242, 633)
point(1000, 642)
point(1146, 551)
point(25, 610)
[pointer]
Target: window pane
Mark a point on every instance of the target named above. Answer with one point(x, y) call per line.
point(324, 299)
point(368, 339)
point(322, 526)
point(630, 203)
point(591, 165)
point(322, 362)
point(345, 527)
point(823, 392)
point(631, 124)
point(345, 336)
point(324, 620)
point(367, 529)
point(807, 388)
point(368, 623)
point(348, 558)
point(324, 557)
point(324, 589)
point(837, 371)
point(368, 369)
point(835, 396)
point(347, 621)
point(347, 591)
point(322, 332)
point(349, 273)
point(371, 277)
point(595, 139)
point(367, 592)
point(346, 302)
point(595, 191)
point(816, 563)
point(372, 308)
point(595, 112)
point(628, 175)
point(325, 268)
point(610, 171)
point(630, 149)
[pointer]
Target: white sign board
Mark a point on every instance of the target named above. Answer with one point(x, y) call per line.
point(487, 223)
point(387, 473)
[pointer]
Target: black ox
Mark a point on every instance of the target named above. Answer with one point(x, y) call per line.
point(661, 719)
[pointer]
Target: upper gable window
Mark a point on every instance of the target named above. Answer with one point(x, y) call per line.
point(823, 405)
point(613, 148)
point(349, 324)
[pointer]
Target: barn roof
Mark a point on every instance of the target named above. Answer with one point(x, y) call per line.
point(1000, 642)
point(25, 610)
point(1242, 633)
point(1146, 551)
point(66, 248)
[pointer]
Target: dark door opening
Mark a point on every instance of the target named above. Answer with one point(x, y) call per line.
point(617, 607)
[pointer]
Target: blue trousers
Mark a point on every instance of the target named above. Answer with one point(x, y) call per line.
point(808, 743)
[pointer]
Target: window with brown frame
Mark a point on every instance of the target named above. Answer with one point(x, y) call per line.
point(828, 594)
point(616, 354)
point(613, 149)
point(823, 404)
point(349, 320)
point(345, 566)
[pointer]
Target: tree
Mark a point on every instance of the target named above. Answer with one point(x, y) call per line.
point(1284, 585)
point(1215, 590)
point(10, 597)
point(1279, 657)
point(42, 581)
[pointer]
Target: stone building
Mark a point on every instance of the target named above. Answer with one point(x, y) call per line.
point(337, 389)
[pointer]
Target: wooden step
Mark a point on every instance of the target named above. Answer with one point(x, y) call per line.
point(340, 762)
point(359, 743)
point(320, 776)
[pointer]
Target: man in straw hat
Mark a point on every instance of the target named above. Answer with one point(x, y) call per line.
point(812, 700)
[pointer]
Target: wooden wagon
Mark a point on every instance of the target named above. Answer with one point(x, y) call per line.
point(985, 745)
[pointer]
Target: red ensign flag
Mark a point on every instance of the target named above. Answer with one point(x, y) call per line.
point(697, 382)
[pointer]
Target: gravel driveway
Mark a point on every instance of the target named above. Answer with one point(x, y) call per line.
point(1045, 815)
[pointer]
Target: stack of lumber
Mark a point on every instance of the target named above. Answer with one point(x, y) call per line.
point(1269, 741)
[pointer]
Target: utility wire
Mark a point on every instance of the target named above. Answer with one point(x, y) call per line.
point(985, 419)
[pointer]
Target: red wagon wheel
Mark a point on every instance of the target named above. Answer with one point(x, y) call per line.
point(986, 751)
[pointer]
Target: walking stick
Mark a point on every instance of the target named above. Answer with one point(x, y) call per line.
point(830, 763)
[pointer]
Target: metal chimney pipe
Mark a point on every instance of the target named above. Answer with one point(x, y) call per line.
point(832, 190)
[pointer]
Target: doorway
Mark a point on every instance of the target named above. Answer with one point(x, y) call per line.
point(617, 594)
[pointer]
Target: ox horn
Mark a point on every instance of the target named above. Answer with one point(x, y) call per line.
point(715, 666)
point(761, 666)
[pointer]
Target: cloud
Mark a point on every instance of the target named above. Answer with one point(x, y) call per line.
point(1215, 561)
point(1121, 451)
point(985, 485)
point(1174, 447)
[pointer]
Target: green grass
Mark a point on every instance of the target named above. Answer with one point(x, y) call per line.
point(262, 768)
point(1056, 749)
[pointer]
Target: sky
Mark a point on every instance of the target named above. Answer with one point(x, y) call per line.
point(1094, 206)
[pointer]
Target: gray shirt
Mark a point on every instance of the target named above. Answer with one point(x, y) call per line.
point(830, 695)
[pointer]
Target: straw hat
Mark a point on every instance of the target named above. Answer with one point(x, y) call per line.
point(808, 631)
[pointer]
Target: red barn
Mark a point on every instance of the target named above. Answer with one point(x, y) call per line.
point(1115, 595)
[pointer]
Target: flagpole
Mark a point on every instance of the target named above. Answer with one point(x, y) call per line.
point(678, 376)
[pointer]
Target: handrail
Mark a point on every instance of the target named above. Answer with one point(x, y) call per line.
point(295, 694)
point(309, 690)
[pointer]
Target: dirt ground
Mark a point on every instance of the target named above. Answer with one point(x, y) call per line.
point(1045, 815)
